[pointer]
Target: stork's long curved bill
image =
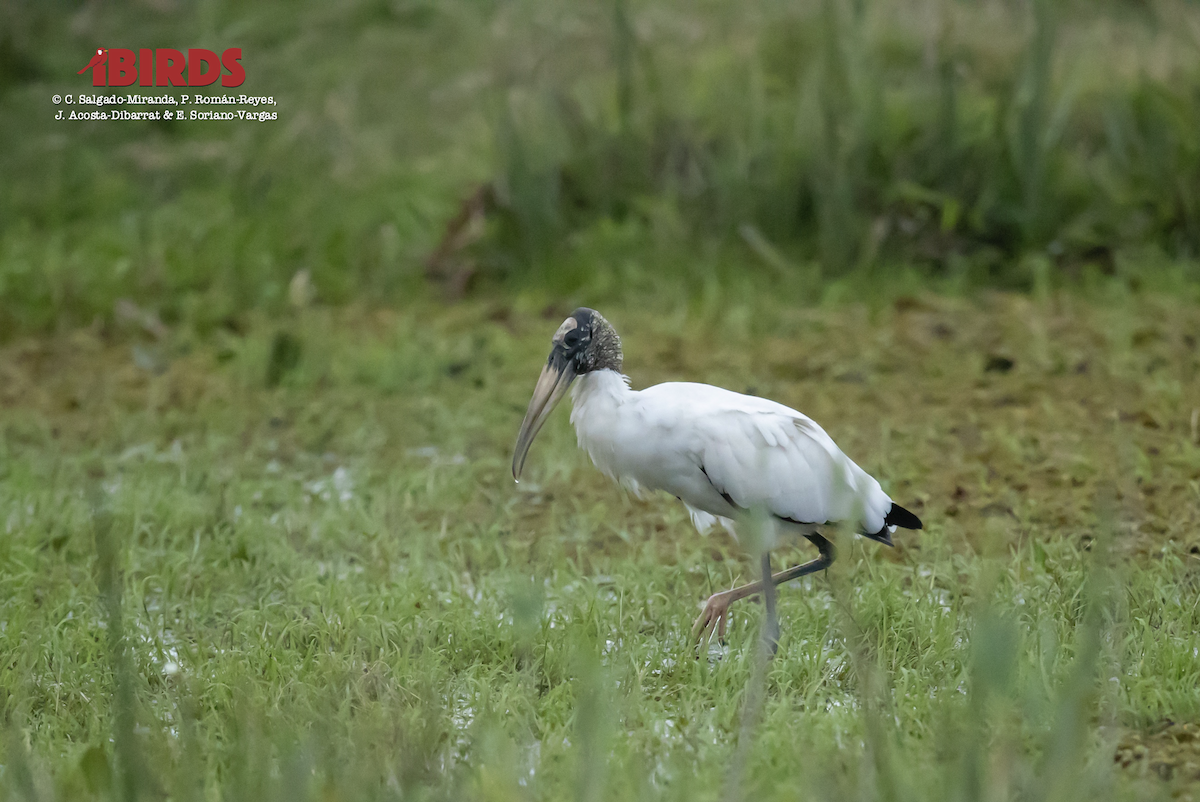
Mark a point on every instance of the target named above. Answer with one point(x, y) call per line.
point(551, 386)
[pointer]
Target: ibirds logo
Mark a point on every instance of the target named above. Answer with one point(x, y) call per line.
point(165, 66)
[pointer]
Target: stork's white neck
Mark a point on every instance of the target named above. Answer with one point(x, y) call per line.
point(596, 401)
point(598, 389)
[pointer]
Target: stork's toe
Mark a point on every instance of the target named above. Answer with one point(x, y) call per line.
point(713, 619)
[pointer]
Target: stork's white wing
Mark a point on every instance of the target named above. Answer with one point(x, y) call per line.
point(758, 453)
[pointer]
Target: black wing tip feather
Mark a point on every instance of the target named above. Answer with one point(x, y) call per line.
point(898, 516)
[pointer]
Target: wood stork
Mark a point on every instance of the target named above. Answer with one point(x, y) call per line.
point(723, 454)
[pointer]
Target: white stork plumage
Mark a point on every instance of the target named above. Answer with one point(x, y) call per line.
point(723, 454)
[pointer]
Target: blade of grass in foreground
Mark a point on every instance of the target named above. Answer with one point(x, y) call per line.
point(130, 768)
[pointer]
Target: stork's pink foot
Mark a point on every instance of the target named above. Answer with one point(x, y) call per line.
point(714, 618)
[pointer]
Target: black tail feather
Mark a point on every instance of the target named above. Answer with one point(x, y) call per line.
point(898, 516)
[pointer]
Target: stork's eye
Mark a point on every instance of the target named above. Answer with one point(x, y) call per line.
point(571, 339)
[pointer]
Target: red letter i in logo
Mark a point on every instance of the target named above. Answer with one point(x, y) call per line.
point(96, 65)
point(145, 67)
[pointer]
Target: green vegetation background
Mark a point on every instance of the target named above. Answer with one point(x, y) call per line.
point(623, 149)
point(259, 382)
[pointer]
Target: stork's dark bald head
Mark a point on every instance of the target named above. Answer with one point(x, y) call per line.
point(585, 342)
point(588, 342)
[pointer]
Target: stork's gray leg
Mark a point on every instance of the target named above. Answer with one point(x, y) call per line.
point(714, 618)
point(828, 553)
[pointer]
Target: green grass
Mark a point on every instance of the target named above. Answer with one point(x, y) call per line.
point(332, 589)
point(982, 143)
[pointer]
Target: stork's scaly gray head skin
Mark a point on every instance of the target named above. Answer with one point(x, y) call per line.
point(583, 343)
